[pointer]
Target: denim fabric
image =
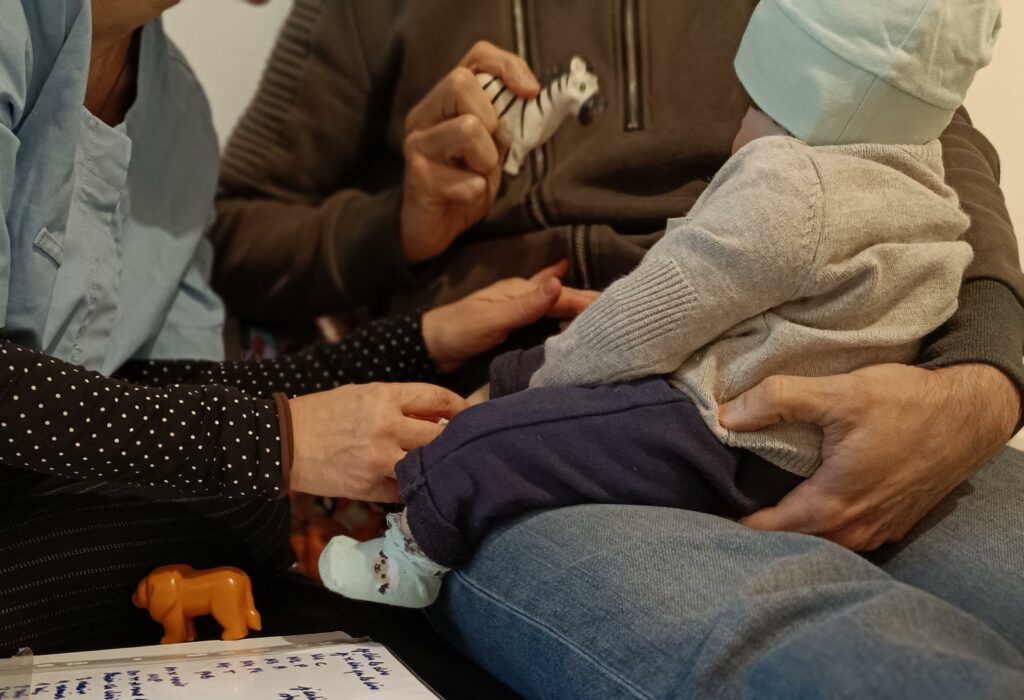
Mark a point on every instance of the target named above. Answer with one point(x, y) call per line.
point(620, 601)
point(102, 250)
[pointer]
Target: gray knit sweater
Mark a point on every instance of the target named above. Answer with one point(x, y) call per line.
point(797, 260)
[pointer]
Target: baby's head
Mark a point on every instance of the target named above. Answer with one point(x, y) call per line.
point(870, 71)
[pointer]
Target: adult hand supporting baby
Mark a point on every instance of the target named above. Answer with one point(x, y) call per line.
point(482, 321)
point(348, 440)
point(452, 162)
point(897, 440)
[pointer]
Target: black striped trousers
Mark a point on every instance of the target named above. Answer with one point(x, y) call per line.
point(71, 554)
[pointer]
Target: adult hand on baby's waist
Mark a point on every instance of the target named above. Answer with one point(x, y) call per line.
point(897, 440)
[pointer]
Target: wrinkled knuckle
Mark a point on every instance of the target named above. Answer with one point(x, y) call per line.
point(470, 126)
point(419, 168)
point(775, 389)
point(461, 79)
point(440, 397)
point(482, 46)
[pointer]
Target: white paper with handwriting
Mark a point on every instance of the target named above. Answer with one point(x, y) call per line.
point(308, 667)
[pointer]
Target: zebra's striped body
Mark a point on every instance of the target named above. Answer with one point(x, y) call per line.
point(523, 125)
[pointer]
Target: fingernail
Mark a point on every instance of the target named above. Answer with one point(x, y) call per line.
point(528, 81)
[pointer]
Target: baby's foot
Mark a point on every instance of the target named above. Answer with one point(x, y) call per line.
point(390, 569)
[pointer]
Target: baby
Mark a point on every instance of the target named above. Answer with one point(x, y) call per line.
point(828, 242)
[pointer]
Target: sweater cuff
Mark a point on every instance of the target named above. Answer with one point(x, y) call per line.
point(284, 421)
point(988, 328)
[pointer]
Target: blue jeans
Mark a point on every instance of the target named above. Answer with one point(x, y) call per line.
point(625, 601)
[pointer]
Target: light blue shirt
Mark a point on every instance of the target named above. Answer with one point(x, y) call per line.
point(103, 257)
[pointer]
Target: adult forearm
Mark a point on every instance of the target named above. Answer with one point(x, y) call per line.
point(57, 418)
point(988, 327)
point(388, 349)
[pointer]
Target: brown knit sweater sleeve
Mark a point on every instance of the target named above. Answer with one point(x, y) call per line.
point(988, 327)
point(303, 225)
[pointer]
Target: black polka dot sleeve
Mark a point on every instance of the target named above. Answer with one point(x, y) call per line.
point(59, 419)
point(387, 349)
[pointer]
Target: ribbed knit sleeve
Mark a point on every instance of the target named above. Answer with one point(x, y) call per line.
point(713, 269)
point(988, 327)
point(299, 233)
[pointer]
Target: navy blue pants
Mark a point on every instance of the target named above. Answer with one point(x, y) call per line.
point(640, 443)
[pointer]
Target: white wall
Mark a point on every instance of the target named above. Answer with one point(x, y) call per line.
point(228, 42)
point(996, 104)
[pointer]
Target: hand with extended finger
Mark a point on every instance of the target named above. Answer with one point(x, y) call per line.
point(452, 161)
point(483, 320)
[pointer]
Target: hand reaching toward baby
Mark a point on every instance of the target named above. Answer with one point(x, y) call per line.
point(483, 320)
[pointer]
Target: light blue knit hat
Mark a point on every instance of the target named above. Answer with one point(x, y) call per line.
point(865, 71)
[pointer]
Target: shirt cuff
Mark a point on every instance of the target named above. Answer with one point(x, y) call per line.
point(284, 421)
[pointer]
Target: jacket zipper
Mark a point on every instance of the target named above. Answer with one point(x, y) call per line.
point(631, 57)
point(523, 49)
point(579, 250)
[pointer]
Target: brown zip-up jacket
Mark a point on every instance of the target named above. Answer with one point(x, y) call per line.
point(311, 183)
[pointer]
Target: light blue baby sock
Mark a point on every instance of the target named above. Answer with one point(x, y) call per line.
point(390, 569)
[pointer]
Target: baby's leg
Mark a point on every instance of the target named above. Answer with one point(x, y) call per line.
point(642, 443)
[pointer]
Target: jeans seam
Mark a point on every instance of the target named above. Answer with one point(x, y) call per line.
point(612, 674)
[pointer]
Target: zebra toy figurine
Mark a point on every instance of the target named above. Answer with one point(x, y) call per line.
point(523, 125)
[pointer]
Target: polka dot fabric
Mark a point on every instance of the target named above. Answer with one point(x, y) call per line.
point(195, 426)
point(59, 419)
point(102, 479)
point(388, 349)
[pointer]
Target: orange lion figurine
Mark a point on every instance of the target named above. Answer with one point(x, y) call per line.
point(175, 594)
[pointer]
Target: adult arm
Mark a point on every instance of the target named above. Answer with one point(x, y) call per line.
point(296, 227)
point(386, 349)
point(898, 439)
point(412, 347)
point(57, 418)
point(60, 419)
point(988, 327)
